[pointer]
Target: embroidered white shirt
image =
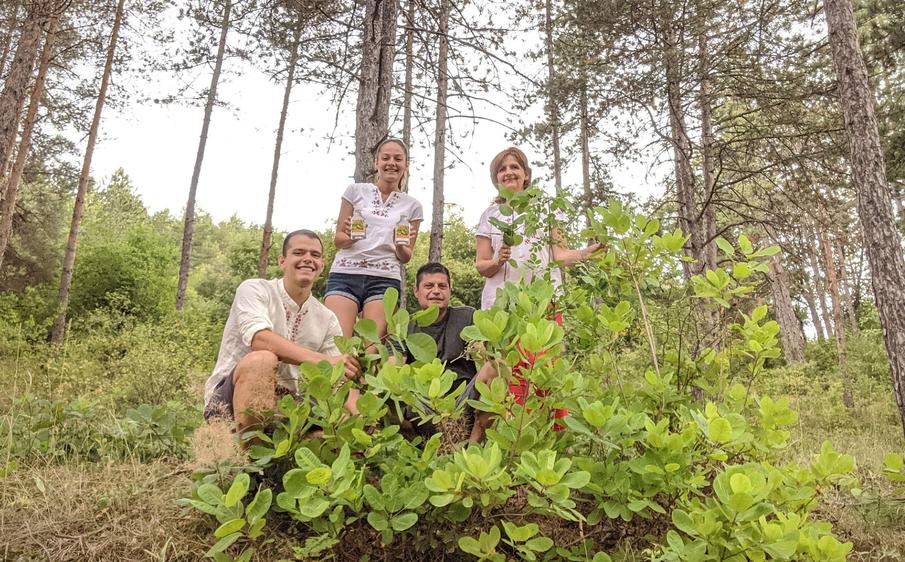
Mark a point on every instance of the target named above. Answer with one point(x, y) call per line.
point(532, 256)
point(264, 304)
point(376, 254)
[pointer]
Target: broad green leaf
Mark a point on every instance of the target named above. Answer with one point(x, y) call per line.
point(683, 522)
point(782, 550)
point(319, 476)
point(390, 298)
point(540, 544)
point(367, 329)
point(231, 526)
point(720, 430)
point(305, 458)
point(238, 490)
point(403, 521)
point(223, 544)
point(255, 529)
point(427, 316)
point(725, 246)
point(520, 534)
point(378, 520)
point(740, 483)
point(259, 506)
point(211, 494)
point(422, 347)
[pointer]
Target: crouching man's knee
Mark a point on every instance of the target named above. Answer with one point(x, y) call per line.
point(254, 381)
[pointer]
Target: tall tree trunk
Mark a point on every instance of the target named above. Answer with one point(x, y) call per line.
point(188, 231)
point(552, 105)
point(884, 243)
point(7, 43)
point(789, 327)
point(436, 245)
point(820, 287)
point(833, 288)
point(707, 214)
point(809, 298)
point(848, 297)
point(8, 207)
point(268, 221)
point(12, 99)
point(59, 325)
point(409, 71)
point(681, 144)
point(372, 113)
point(407, 111)
point(585, 134)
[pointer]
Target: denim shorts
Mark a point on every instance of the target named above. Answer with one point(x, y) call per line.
point(360, 288)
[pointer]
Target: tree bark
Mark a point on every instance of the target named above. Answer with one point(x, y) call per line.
point(809, 298)
point(848, 297)
point(189, 229)
point(681, 144)
point(12, 99)
point(11, 22)
point(789, 327)
point(268, 221)
point(409, 71)
point(707, 214)
point(833, 288)
point(884, 244)
point(407, 111)
point(585, 140)
point(436, 245)
point(820, 287)
point(372, 113)
point(552, 106)
point(59, 325)
point(8, 207)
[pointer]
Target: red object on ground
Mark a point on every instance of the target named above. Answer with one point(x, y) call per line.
point(519, 386)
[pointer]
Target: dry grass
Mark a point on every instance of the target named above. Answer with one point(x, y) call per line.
point(113, 512)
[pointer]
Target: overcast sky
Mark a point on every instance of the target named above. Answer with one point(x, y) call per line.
point(156, 146)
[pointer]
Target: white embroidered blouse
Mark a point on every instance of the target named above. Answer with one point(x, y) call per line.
point(376, 254)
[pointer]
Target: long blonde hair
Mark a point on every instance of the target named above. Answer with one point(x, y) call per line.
point(404, 180)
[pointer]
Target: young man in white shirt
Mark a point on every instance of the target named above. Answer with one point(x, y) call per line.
point(273, 326)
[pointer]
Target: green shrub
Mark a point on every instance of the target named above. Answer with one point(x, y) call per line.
point(80, 430)
point(638, 450)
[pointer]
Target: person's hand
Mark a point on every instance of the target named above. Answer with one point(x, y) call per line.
point(591, 249)
point(350, 364)
point(504, 255)
point(346, 227)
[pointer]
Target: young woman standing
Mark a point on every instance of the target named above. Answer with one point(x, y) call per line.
point(369, 260)
point(372, 248)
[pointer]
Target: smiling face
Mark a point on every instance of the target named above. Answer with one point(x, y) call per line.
point(391, 163)
point(433, 289)
point(510, 170)
point(304, 260)
point(511, 175)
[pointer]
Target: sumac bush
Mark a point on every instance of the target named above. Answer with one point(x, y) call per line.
point(664, 451)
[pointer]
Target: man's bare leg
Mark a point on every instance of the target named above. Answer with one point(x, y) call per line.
point(254, 388)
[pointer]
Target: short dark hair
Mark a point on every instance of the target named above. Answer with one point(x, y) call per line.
point(430, 268)
point(301, 232)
